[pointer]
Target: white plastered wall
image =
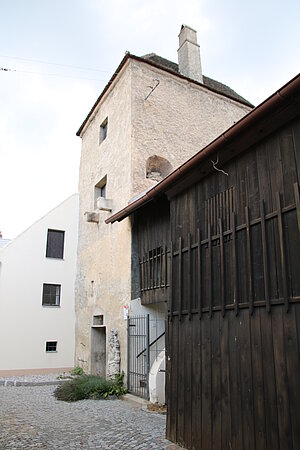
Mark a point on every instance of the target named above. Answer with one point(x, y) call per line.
point(26, 325)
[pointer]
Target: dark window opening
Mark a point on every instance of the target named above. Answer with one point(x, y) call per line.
point(100, 190)
point(103, 130)
point(51, 346)
point(55, 244)
point(51, 294)
point(103, 191)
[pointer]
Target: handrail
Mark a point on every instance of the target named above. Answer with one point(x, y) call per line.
point(153, 342)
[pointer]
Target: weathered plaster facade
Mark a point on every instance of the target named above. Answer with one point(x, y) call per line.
point(174, 122)
point(177, 120)
point(103, 279)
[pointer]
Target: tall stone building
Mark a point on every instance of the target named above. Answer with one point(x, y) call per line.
point(151, 117)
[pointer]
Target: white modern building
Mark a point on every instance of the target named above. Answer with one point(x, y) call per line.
point(37, 282)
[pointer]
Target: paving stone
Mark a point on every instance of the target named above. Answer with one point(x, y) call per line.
point(32, 418)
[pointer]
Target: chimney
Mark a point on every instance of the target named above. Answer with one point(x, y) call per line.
point(189, 63)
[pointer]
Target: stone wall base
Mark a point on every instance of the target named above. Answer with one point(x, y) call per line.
point(20, 372)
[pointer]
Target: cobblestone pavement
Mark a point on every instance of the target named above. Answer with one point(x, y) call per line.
point(30, 418)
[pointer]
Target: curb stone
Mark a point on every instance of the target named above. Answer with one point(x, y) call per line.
point(10, 383)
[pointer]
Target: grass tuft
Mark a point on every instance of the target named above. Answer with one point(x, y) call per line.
point(90, 387)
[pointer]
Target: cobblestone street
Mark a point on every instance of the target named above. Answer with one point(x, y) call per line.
point(30, 417)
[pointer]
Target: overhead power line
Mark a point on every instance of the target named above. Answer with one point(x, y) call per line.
point(6, 69)
point(54, 64)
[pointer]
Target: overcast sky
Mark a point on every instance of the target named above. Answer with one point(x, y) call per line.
point(61, 53)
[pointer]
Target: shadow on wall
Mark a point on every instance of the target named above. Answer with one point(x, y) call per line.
point(157, 168)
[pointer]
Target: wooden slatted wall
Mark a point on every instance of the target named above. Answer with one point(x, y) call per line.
point(233, 340)
point(151, 237)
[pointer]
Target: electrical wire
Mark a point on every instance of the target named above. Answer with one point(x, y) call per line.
point(6, 69)
point(54, 64)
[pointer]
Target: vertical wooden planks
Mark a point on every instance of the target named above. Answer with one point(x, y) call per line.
point(269, 380)
point(196, 384)
point(282, 253)
point(209, 271)
point(142, 275)
point(222, 268)
point(249, 261)
point(284, 418)
point(199, 274)
point(169, 373)
point(189, 275)
point(216, 382)
point(173, 389)
point(245, 367)
point(234, 264)
point(265, 255)
point(206, 383)
point(181, 371)
point(180, 277)
point(258, 381)
point(171, 282)
point(225, 383)
point(246, 379)
point(288, 162)
point(164, 275)
point(293, 371)
point(187, 357)
point(297, 202)
point(235, 382)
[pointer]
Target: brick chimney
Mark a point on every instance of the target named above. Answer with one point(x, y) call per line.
point(189, 62)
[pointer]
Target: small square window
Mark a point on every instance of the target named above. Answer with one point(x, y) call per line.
point(51, 346)
point(103, 130)
point(51, 295)
point(98, 319)
point(55, 244)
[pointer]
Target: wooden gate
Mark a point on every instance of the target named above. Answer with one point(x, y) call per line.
point(233, 375)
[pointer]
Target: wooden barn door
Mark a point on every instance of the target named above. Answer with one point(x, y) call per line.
point(233, 352)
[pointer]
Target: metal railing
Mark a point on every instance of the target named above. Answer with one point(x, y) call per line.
point(145, 340)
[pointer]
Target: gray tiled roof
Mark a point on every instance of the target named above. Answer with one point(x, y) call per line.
point(209, 82)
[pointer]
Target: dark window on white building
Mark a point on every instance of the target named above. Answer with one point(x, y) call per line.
point(55, 244)
point(51, 295)
point(51, 346)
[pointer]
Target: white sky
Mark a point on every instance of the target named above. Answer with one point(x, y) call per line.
point(253, 46)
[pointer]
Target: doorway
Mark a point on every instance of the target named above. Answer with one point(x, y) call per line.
point(98, 350)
